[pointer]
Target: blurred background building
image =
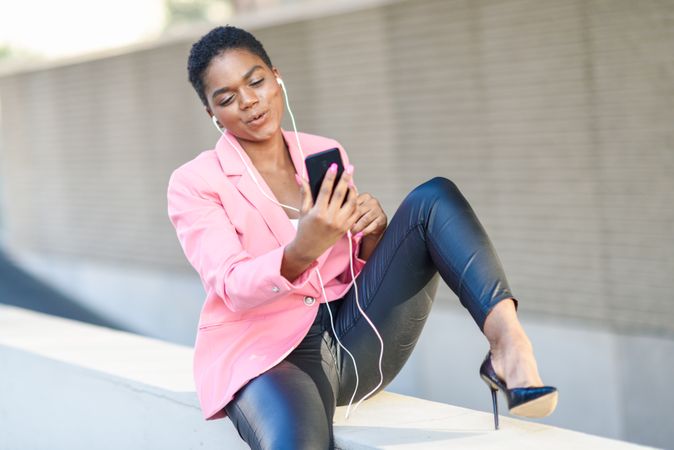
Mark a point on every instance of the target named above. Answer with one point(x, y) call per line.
point(554, 118)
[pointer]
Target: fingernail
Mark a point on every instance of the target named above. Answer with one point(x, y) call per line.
point(358, 235)
point(349, 169)
point(298, 180)
point(333, 168)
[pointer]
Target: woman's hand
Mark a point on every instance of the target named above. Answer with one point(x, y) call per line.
point(372, 219)
point(322, 224)
point(372, 223)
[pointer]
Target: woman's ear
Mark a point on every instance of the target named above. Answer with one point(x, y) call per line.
point(277, 75)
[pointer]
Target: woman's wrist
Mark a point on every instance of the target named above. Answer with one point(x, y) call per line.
point(294, 263)
point(368, 244)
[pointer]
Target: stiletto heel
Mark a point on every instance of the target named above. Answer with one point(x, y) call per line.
point(494, 401)
point(537, 401)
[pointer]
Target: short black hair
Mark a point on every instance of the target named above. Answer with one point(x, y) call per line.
point(214, 43)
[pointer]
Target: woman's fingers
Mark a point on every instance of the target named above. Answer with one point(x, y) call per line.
point(341, 190)
point(371, 228)
point(372, 218)
point(363, 221)
point(354, 212)
point(349, 208)
point(325, 191)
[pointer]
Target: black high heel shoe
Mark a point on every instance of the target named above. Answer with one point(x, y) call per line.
point(522, 401)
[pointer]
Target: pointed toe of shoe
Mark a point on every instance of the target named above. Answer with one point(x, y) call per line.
point(533, 402)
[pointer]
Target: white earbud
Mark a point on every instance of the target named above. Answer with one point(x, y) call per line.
point(215, 122)
point(279, 81)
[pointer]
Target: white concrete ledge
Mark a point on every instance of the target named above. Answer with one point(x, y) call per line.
point(69, 385)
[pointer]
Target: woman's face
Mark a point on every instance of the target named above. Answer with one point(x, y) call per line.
point(243, 95)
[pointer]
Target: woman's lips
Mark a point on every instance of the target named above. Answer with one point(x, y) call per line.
point(259, 120)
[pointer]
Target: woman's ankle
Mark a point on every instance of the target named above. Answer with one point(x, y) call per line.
point(512, 350)
point(502, 325)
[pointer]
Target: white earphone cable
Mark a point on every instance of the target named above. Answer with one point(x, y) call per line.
point(292, 119)
point(318, 273)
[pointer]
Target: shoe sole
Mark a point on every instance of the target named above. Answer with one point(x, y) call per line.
point(540, 407)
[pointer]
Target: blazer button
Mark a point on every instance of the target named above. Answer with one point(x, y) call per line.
point(275, 289)
point(309, 301)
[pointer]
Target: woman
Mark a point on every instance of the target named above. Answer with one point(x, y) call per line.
point(276, 268)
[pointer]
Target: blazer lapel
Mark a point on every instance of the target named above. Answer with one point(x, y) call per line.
point(274, 215)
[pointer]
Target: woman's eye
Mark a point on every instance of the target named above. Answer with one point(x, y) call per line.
point(256, 82)
point(227, 101)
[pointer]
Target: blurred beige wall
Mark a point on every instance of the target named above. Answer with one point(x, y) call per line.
point(554, 118)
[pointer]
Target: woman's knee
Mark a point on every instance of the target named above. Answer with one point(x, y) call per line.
point(437, 184)
point(435, 188)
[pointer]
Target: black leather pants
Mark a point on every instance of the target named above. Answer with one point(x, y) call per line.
point(434, 231)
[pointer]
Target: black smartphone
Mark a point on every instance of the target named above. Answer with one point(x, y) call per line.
point(317, 165)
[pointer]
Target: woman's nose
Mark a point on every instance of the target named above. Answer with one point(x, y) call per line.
point(248, 98)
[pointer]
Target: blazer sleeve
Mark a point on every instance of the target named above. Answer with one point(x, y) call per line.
point(211, 245)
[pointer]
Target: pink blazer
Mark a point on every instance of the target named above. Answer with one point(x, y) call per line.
point(234, 237)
